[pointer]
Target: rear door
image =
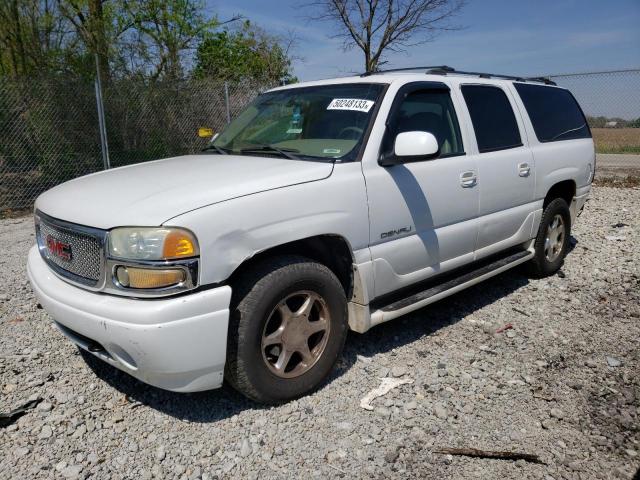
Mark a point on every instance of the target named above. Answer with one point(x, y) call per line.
point(506, 169)
point(560, 139)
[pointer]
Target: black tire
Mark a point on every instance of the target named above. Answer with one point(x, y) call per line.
point(256, 296)
point(540, 265)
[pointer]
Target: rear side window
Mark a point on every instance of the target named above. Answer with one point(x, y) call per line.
point(492, 116)
point(554, 113)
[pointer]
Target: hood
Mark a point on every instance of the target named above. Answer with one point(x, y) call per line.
point(153, 192)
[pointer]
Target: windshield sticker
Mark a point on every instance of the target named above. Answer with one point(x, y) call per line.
point(354, 104)
point(295, 125)
point(331, 151)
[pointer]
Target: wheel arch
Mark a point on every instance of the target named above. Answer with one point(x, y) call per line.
point(332, 250)
point(565, 189)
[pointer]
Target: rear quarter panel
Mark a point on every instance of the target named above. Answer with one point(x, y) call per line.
point(560, 160)
point(565, 160)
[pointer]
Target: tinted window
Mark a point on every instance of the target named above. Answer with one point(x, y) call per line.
point(431, 111)
point(554, 113)
point(492, 117)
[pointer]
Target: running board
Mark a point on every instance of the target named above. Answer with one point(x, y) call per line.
point(442, 290)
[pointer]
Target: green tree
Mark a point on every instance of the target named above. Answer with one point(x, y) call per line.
point(165, 33)
point(151, 39)
point(34, 38)
point(96, 26)
point(246, 53)
point(596, 122)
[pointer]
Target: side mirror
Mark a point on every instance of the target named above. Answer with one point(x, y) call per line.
point(412, 147)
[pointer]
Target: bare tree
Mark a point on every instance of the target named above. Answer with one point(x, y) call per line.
point(380, 26)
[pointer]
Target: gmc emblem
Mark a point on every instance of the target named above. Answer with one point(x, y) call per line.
point(59, 249)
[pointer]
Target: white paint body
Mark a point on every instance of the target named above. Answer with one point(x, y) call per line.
point(457, 210)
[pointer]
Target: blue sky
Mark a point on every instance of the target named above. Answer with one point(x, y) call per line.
point(519, 37)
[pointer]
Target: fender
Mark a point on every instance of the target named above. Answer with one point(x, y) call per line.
point(231, 232)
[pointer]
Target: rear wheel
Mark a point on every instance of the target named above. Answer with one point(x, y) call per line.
point(288, 327)
point(552, 242)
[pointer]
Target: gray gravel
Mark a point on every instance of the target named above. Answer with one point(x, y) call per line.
point(564, 384)
point(617, 165)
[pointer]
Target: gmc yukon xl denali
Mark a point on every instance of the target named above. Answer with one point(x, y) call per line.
point(323, 207)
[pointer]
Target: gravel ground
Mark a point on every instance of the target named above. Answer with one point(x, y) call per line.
point(563, 384)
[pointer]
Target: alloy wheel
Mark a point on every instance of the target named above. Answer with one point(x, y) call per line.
point(295, 334)
point(554, 239)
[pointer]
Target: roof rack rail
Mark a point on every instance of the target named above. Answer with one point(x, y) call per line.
point(444, 70)
point(545, 80)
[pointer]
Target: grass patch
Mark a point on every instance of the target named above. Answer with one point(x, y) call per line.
point(628, 149)
point(617, 140)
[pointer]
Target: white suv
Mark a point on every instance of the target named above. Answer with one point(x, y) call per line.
point(324, 206)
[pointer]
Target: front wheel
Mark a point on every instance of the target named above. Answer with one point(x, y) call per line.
point(288, 327)
point(552, 242)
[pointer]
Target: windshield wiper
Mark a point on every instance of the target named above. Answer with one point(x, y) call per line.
point(285, 152)
point(220, 150)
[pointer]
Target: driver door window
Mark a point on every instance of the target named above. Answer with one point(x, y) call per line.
point(433, 112)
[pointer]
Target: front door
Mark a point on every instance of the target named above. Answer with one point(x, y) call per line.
point(423, 214)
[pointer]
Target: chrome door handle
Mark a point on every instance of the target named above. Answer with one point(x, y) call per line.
point(468, 179)
point(524, 169)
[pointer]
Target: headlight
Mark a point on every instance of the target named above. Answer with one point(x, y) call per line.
point(145, 243)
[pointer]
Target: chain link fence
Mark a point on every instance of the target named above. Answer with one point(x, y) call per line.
point(611, 101)
point(147, 122)
point(49, 127)
point(48, 134)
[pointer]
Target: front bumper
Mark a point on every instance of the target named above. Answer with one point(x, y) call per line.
point(177, 343)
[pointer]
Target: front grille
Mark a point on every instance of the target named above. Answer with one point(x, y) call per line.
point(85, 264)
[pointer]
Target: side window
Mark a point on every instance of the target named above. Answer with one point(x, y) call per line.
point(493, 120)
point(431, 111)
point(554, 113)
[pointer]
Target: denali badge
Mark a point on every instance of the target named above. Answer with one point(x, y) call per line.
point(59, 249)
point(393, 233)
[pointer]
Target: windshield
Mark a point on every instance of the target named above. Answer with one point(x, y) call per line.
point(324, 122)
